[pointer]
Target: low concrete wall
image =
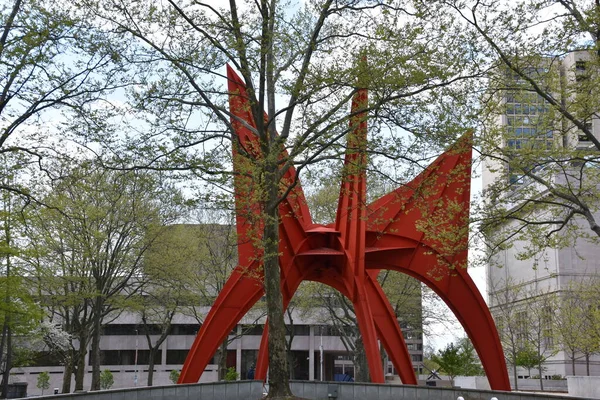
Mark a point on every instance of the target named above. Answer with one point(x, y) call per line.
point(355, 391)
point(472, 382)
point(533, 385)
point(584, 386)
point(253, 390)
point(236, 390)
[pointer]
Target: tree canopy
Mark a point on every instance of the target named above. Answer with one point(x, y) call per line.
point(458, 359)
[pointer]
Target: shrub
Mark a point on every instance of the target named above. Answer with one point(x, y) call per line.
point(231, 374)
point(174, 375)
point(106, 379)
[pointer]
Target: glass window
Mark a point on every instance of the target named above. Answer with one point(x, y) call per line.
point(299, 330)
point(252, 330)
point(176, 356)
point(185, 329)
point(127, 357)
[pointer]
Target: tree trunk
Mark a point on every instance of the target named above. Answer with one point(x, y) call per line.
point(3, 344)
point(6, 331)
point(80, 364)
point(279, 386)
point(68, 373)
point(290, 355)
point(587, 364)
point(8, 365)
point(95, 350)
point(221, 359)
point(361, 366)
point(573, 362)
point(514, 366)
point(151, 356)
point(153, 350)
point(79, 359)
point(541, 375)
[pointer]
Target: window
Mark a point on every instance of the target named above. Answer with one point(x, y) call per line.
point(120, 329)
point(45, 359)
point(127, 357)
point(252, 330)
point(176, 356)
point(185, 329)
point(522, 327)
point(299, 330)
point(413, 335)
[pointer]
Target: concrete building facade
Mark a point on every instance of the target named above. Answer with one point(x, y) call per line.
point(318, 353)
point(549, 270)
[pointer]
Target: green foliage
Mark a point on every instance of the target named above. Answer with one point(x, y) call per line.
point(105, 221)
point(53, 59)
point(43, 381)
point(458, 359)
point(174, 375)
point(528, 357)
point(231, 374)
point(543, 178)
point(106, 379)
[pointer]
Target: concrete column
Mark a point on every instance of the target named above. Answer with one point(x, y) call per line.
point(311, 354)
point(163, 348)
point(238, 352)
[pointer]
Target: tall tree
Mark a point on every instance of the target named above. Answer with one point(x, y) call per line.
point(541, 329)
point(89, 248)
point(528, 324)
point(186, 267)
point(588, 339)
point(214, 238)
point(544, 156)
point(571, 321)
point(54, 65)
point(506, 307)
point(305, 57)
point(18, 310)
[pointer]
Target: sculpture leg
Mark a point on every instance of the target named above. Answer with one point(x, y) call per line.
point(461, 295)
point(369, 336)
point(237, 297)
point(386, 327)
point(389, 332)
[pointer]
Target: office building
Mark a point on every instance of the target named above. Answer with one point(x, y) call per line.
point(527, 121)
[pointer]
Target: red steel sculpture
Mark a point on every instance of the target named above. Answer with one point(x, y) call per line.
point(420, 229)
